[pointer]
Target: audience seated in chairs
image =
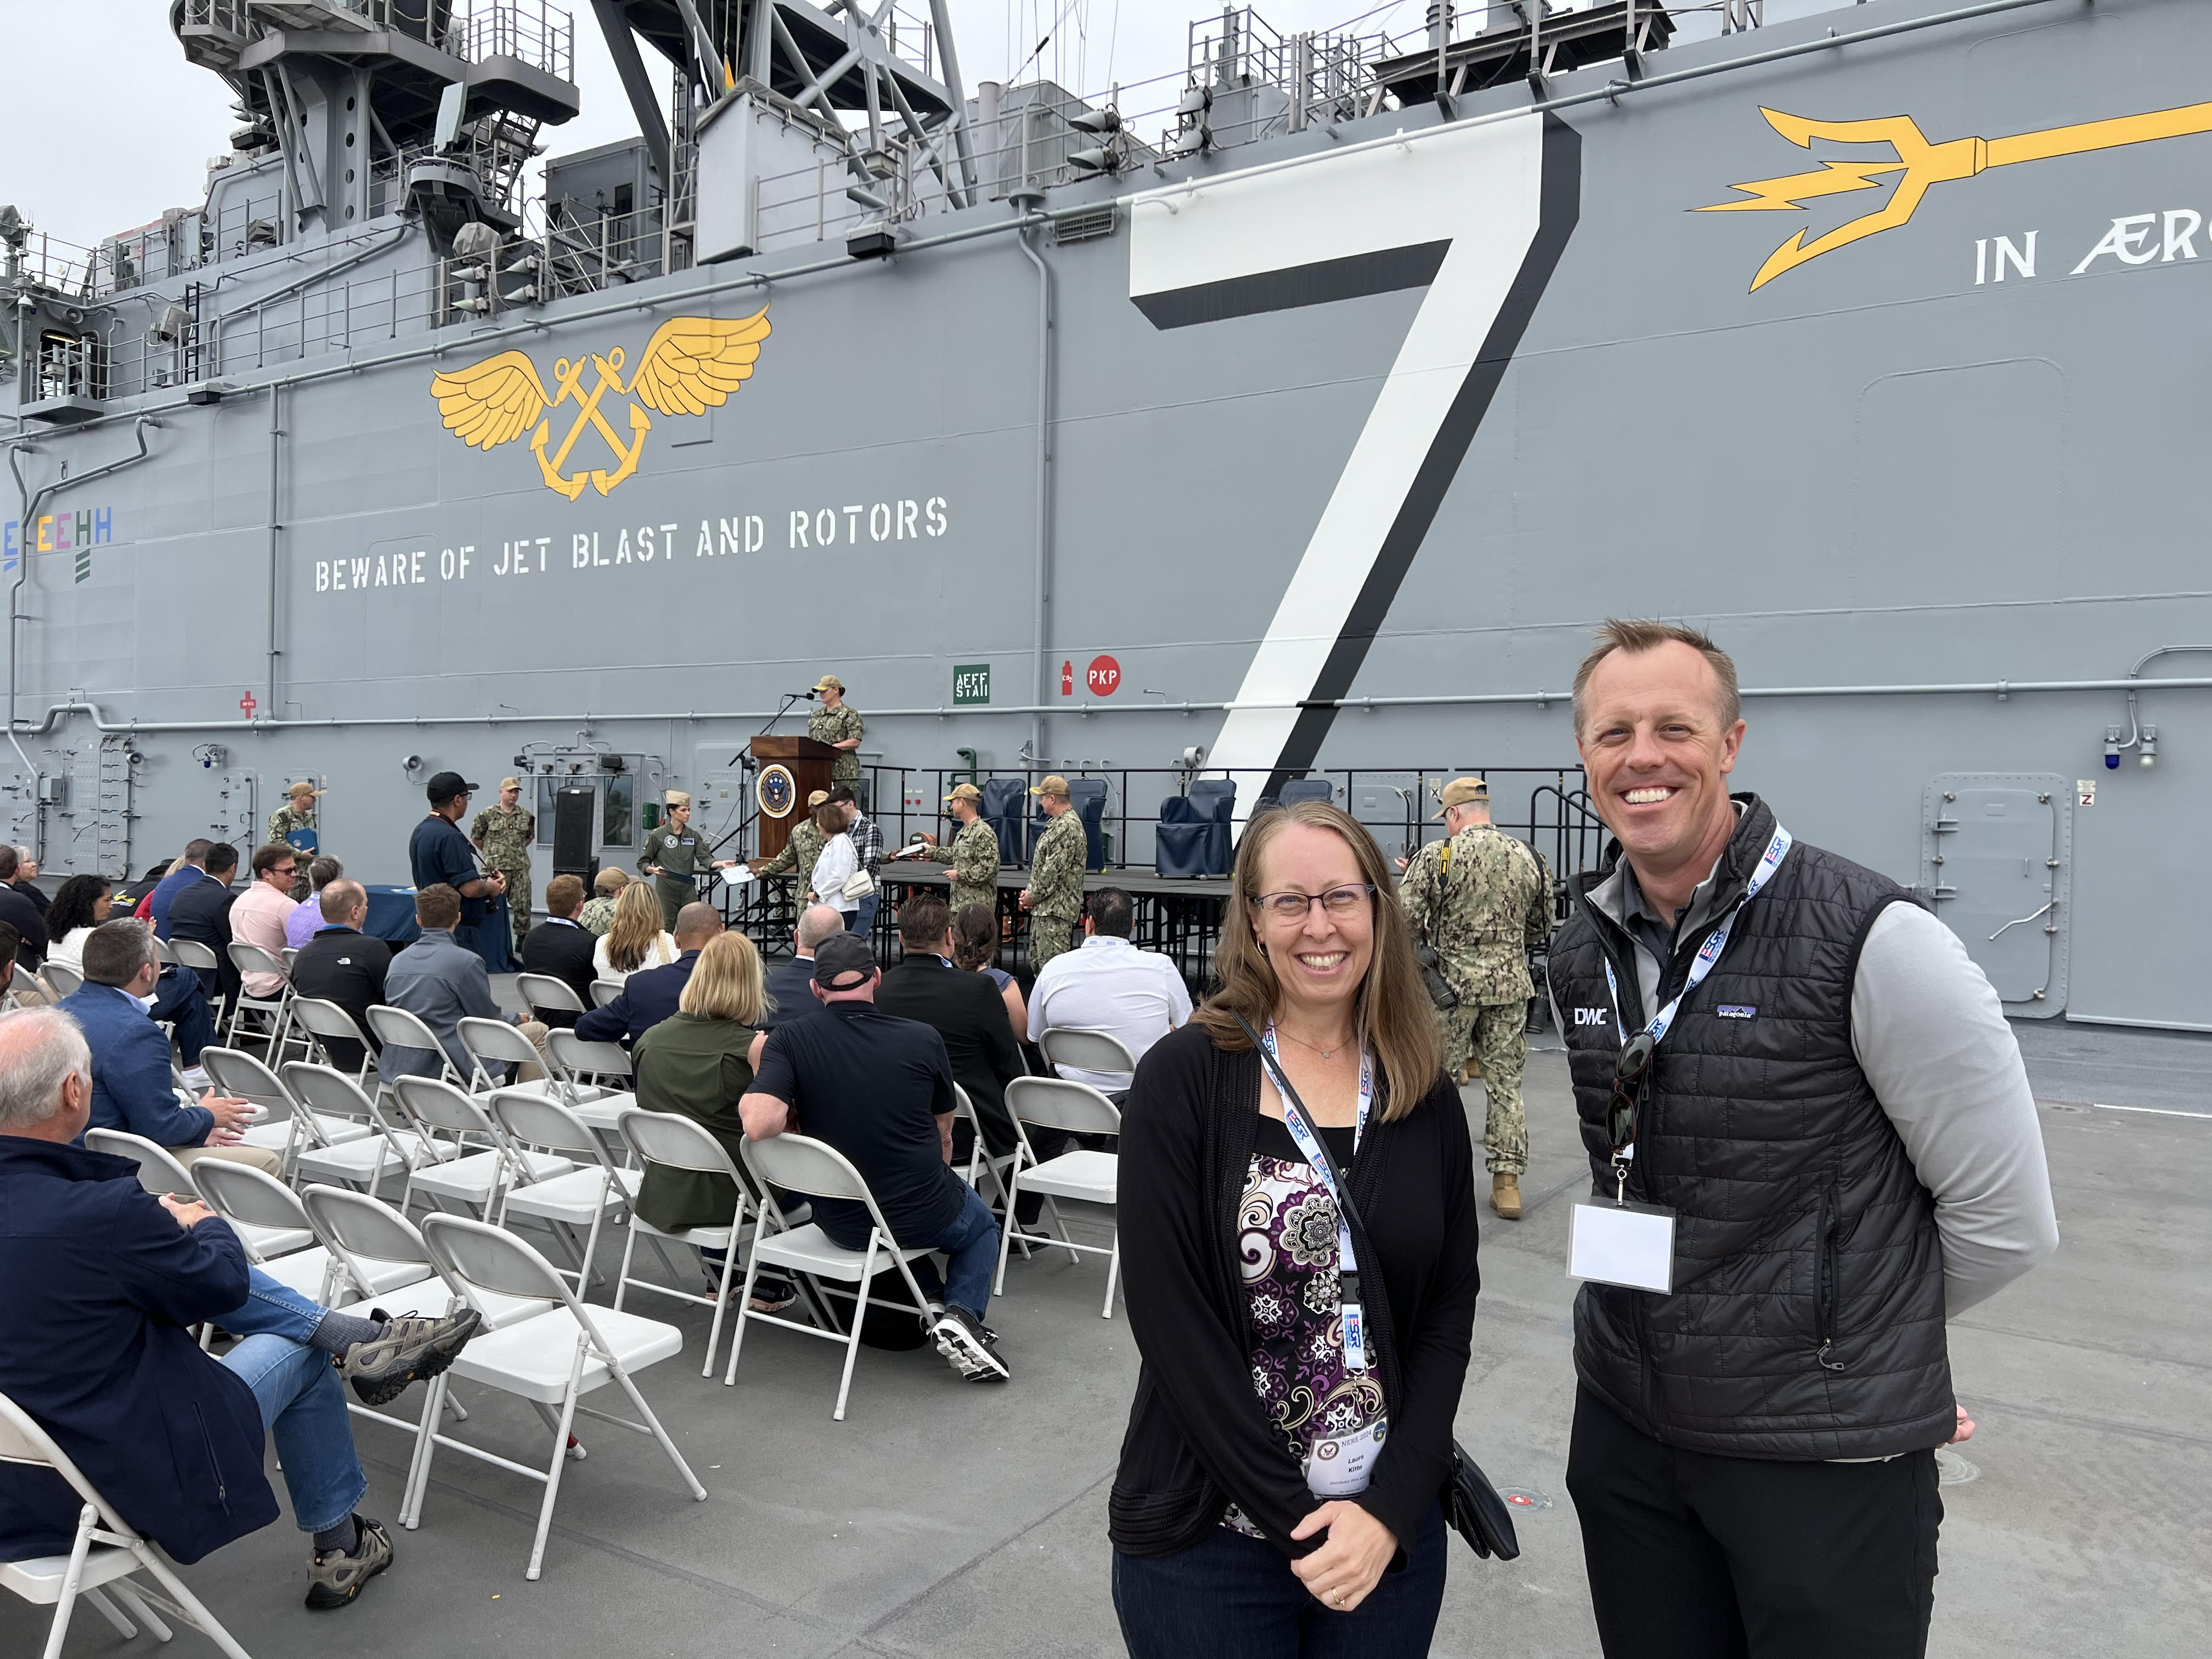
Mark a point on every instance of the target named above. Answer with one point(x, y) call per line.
point(598, 912)
point(1109, 986)
point(258, 915)
point(341, 963)
point(698, 1063)
point(790, 984)
point(441, 981)
point(108, 1278)
point(200, 911)
point(132, 1089)
point(879, 1089)
point(181, 875)
point(635, 942)
point(82, 904)
point(560, 947)
point(27, 880)
point(28, 919)
point(975, 949)
point(963, 1009)
point(305, 920)
point(653, 995)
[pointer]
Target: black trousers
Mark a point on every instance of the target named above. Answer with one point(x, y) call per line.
point(1709, 1557)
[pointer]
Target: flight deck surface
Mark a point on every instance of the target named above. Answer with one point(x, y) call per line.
point(944, 1519)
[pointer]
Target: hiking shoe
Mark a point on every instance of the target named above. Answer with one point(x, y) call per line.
point(335, 1579)
point(962, 1340)
point(412, 1349)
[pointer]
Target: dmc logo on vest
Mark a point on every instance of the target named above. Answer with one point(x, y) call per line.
point(1589, 1016)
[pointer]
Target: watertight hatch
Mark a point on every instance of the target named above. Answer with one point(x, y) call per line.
point(1996, 850)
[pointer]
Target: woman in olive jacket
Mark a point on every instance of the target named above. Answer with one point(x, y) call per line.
point(1277, 1497)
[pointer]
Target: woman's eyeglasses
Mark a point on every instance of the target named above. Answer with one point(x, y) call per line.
point(1338, 902)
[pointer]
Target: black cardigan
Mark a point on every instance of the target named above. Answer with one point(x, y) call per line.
point(1197, 1435)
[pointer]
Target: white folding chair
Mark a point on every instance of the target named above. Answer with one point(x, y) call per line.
point(397, 1028)
point(680, 1143)
point(273, 1014)
point(555, 1359)
point(22, 983)
point(64, 979)
point(800, 1164)
point(291, 954)
point(492, 1046)
point(159, 1171)
point(1085, 1050)
point(327, 1092)
point(106, 1553)
point(604, 991)
point(283, 1127)
point(582, 1199)
point(324, 1022)
point(165, 949)
point(599, 1074)
point(267, 1219)
point(1053, 1102)
point(546, 995)
point(982, 1160)
point(483, 1166)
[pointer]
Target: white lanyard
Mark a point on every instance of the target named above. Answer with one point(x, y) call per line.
point(1347, 1264)
point(1708, 954)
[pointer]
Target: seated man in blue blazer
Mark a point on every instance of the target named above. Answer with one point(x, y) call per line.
point(102, 1280)
point(650, 996)
point(132, 1088)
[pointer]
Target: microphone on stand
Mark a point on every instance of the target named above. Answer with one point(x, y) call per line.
point(809, 693)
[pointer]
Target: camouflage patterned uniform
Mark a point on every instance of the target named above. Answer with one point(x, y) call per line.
point(798, 853)
point(504, 834)
point(834, 725)
point(975, 862)
point(282, 822)
point(597, 915)
point(1480, 910)
point(1056, 888)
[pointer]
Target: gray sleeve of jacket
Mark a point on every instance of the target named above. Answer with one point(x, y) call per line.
point(1931, 1037)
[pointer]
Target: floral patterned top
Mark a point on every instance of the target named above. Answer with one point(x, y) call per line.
point(1286, 1242)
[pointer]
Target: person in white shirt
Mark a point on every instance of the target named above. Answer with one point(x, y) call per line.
point(837, 864)
point(1109, 986)
point(635, 940)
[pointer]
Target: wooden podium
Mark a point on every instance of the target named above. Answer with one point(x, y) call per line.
point(808, 764)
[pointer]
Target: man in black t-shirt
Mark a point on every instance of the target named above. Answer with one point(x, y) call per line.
point(438, 852)
point(879, 1089)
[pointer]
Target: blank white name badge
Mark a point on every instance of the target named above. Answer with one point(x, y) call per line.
point(1626, 1245)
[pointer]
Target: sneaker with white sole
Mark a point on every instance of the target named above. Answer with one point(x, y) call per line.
point(336, 1579)
point(962, 1339)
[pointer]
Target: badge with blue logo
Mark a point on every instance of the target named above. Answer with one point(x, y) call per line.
point(1734, 1011)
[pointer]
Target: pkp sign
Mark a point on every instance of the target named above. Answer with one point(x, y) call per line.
point(1104, 677)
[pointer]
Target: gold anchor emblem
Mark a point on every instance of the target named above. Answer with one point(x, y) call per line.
point(691, 365)
point(1920, 165)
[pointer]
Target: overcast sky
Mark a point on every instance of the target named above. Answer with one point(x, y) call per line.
point(85, 155)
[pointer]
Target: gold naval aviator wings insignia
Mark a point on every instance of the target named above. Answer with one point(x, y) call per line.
point(691, 365)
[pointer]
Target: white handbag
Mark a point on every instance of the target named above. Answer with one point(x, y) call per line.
point(858, 885)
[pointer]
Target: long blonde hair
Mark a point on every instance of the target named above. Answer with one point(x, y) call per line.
point(1392, 1015)
point(726, 982)
point(635, 927)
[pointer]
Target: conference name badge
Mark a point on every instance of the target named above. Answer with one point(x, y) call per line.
point(1340, 1465)
point(1631, 1245)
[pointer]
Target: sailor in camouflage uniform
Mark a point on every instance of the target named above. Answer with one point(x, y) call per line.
point(598, 912)
point(801, 850)
point(676, 856)
point(1479, 898)
point(1054, 897)
point(298, 813)
point(975, 852)
point(838, 724)
point(503, 833)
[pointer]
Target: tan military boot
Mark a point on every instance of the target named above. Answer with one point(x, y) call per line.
point(1505, 1195)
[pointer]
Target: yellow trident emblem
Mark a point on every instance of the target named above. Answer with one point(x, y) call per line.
point(1920, 166)
point(691, 364)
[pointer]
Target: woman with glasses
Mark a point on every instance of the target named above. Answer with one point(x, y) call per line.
point(1278, 1492)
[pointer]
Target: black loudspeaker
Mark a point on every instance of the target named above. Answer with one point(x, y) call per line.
point(574, 806)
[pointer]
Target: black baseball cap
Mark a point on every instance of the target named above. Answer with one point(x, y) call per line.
point(840, 955)
point(444, 786)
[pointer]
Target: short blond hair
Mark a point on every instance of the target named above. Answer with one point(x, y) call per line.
point(726, 982)
point(1637, 635)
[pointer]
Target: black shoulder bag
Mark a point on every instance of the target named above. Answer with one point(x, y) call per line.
point(1471, 1504)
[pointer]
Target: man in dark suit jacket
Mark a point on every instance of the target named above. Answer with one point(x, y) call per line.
point(201, 911)
point(790, 995)
point(965, 1009)
point(560, 947)
point(343, 964)
point(649, 997)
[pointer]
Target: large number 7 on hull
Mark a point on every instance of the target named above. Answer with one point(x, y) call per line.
point(1479, 215)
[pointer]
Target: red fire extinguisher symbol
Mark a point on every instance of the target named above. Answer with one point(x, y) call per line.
point(1067, 679)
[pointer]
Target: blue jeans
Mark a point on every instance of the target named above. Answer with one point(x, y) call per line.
point(1229, 1596)
point(303, 1402)
point(971, 1251)
point(863, 920)
point(180, 999)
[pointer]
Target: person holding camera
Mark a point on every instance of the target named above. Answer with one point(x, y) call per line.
point(1280, 1483)
point(1475, 902)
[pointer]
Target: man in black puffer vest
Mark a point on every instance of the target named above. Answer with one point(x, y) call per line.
point(1838, 1120)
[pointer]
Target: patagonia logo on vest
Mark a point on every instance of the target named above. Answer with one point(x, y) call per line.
point(1589, 1016)
point(1734, 1011)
